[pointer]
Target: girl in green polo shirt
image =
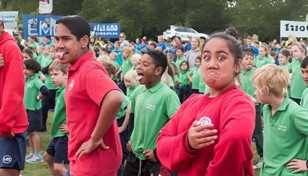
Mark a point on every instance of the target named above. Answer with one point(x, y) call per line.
point(194, 76)
point(130, 83)
point(34, 92)
point(263, 57)
point(184, 90)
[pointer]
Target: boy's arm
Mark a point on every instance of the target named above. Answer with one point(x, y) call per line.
point(106, 117)
point(126, 120)
point(301, 122)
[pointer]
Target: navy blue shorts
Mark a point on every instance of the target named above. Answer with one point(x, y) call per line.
point(35, 120)
point(58, 149)
point(13, 152)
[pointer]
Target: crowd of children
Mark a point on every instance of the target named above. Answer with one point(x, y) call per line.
point(157, 135)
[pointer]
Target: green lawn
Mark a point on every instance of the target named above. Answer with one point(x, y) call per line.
point(41, 169)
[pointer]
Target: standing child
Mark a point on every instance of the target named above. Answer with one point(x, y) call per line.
point(246, 81)
point(56, 153)
point(127, 65)
point(113, 57)
point(285, 122)
point(153, 104)
point(131, 83)
point(179, 57)
point(94, 142)
point(263, 57)
point(32, 100)
point(135, 61)
point(194, 76)
point(118, 50)
point(297, 83)
point(184, 90)
point(40, 53)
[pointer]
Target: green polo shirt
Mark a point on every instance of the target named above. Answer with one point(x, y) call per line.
point(127, 65)
point(46, 60)
point(184, 78)
point(34, 45)
point(304, 100)
point(202, 85)
point(297, 83)
point(179, 61)
point(59, 116)
point(195, 78)
point(122, 111)
point(260, 61)
point(32, 90)
point(152, 109)
point(115, 78)
point(246, 81)
point(130, 91)
point(39, 58)
point(284, 138)
point(288, 66)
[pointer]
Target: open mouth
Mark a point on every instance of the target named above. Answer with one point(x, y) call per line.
point(60, 54)
point(139, 77)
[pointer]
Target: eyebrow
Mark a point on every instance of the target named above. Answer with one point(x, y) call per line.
point(63, 36)
point(218, 52)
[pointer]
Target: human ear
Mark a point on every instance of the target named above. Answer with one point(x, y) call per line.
point(237, 66)
point(158, 71)
point(84, 41)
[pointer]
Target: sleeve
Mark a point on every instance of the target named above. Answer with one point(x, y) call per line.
point(172, 146)
point(98, 84)
point(301, 121)
point(12, 88)
point(191, 73)
point(172, 104)
point(44, 90)
point(45, 69)
point(233, 152)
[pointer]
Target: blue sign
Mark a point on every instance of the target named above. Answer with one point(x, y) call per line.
point(106, 30)
point(39, 25)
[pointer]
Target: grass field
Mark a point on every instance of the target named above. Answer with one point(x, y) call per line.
point(41, 169)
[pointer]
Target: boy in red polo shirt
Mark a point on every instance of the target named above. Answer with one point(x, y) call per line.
point(94, 146)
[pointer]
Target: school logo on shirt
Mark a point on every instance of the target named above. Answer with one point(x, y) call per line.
point(151, 107)
point(71, 85)
point(6, 159)
point(282, 128)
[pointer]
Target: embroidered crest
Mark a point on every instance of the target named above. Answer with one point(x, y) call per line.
point(71, 85)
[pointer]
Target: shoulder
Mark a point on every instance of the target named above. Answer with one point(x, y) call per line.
point(236, 98)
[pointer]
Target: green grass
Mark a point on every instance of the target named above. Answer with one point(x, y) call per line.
point(41, 169)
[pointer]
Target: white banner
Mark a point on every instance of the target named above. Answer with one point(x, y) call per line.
point(296, 28)
point(10, 20)
point(45, 6)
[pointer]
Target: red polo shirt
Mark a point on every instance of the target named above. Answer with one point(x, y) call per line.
point(87, 84)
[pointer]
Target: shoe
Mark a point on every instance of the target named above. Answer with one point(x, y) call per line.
point(35, 159)
point(259, 165)
point(30, 155)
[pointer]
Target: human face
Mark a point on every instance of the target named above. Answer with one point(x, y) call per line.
point(198, 63)
point(184, 66)
point(125, 54)
point(160, 39)
point(194, 43)
point(68, 44)
point(26, 56)
point(128, 83)
point(179, 53)
point(147, 72)
point(135, 62)
point(261, 97)
point(305, 74)
point(247, 62)
point(261, 52)
point(297, 53)
point(122, 37)
point(58, 78)
point(248, 42)
point(28, 73)
point(282, 59)
point(218, 65)
point(113, 56)
point(52, 53)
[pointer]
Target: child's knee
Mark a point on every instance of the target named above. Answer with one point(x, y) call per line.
point(48, 158)
point(59, 168)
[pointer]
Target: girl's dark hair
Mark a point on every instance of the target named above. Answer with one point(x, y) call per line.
point(29, 52)
point(33, 65)
point(286, 53)
point(77, 25)
point(233, 45)
point(198, 57)
point(171, 71)
point(248, 51)
point(159, 59)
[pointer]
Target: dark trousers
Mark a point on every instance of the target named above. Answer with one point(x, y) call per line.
point(122, 86)
point(257, 133)
point(137, 167)
point(48, 102)
point(184, 92)
point(124, 137)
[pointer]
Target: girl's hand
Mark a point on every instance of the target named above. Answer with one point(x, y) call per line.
point(298, 165)
point(63, 128)
point(200, 136)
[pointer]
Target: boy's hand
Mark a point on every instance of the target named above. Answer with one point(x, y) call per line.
point(150, 155)
point(63, 128)
point(89, 146)
point(129, 146)
point(9, 136)
point(200, 136)
point(298, 165)
point(121, 129)
point(1, 61)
